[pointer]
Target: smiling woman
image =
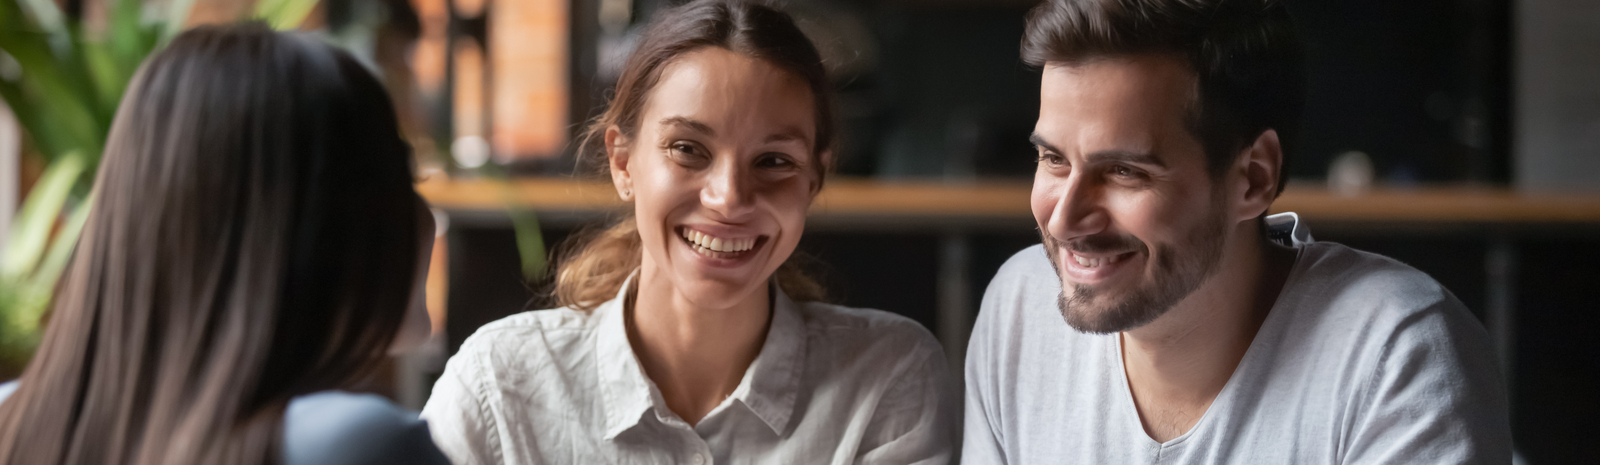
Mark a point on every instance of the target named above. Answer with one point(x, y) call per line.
point(685, 333)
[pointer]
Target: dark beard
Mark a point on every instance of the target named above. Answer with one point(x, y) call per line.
point(1175, 276)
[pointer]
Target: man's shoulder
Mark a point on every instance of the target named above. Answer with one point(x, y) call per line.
point(1028, 264)
point(1024, 281)
point(1396, 351)
point(1380, 309)
point(1356, 280)
point(1337, 262)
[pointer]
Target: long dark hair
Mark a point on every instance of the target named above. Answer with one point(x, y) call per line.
point(253, 237)
point(594, 265)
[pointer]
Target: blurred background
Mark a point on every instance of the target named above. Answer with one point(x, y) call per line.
point(1459, 136)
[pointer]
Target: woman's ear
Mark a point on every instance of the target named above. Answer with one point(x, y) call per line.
point(1260, 167)
point(826, 159)
point(617, 157)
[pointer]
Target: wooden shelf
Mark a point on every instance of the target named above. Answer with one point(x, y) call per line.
point(854, 199)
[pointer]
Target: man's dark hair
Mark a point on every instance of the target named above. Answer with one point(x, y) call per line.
point(1244, 53)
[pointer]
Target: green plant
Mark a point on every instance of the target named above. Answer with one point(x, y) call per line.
point(64, 83)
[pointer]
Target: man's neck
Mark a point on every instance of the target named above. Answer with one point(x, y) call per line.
point(696, 356)
point(1177, 364)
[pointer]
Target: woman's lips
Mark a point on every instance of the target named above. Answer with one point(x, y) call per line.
point(720, 247)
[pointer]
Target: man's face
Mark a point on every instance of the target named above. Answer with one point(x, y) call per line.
point(1127, 211)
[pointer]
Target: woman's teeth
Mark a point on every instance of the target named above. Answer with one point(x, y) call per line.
point(706, 242)
point(1096, 262)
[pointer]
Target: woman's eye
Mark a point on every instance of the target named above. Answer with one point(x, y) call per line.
point(775, 161)
point(682, 148)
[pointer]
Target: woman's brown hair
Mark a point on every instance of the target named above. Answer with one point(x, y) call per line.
point(595, 265)
point(253, 237)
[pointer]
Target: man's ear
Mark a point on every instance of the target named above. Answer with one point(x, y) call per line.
point(1258, 170)
point(617, 157)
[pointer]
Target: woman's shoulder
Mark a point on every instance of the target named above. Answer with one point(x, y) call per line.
point(554, 323)
point(867, 328)
point(335, 427)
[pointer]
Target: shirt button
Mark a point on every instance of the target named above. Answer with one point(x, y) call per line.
point(698, 459)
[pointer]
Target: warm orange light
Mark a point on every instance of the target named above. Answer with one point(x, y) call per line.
point(468, 95)
point(427, 58)
point(529, 54)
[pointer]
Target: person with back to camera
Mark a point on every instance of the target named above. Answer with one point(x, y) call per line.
point(255, 244)
point(685, 335)
point(1166, 318)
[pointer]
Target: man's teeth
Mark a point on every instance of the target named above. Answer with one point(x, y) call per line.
point(1095, 262)
point(717, 244)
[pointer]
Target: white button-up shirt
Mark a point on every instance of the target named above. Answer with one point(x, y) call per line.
point(831, 385)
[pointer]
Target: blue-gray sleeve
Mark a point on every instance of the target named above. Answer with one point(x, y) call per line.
point(6, 389)
point(338, 428)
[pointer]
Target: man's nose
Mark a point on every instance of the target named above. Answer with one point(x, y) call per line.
point(1078, 210)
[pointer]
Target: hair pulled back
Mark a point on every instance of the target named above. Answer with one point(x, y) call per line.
point(594, 266)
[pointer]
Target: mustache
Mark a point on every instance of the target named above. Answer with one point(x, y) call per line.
point(1096, 244)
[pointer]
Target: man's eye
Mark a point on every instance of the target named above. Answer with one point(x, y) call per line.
point(1126, 174)
point(1052, 159)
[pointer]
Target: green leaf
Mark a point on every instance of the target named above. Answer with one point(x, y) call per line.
point(177, 17)
point(105, 72)
point(45, 14)
point(38, 289)
point(530, 242)
point(284, 14)
point(31, 228)
point(60, 89)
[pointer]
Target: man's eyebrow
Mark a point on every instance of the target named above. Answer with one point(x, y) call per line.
point(1125, 156)
point(688, 123)
point(1039, 142)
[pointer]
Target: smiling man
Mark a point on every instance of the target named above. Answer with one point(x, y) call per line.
point(1167, 319)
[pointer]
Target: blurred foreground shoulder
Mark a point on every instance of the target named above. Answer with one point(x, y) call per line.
point(332, 427)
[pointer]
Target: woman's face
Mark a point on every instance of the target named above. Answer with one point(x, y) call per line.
point(721, 171)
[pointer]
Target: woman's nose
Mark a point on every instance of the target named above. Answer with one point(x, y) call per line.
point(728, 191)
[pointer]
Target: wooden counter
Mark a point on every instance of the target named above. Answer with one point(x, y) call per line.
point(956, 211)
point(1006, 202)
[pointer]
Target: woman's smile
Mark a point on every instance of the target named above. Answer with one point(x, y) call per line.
point(721, 248)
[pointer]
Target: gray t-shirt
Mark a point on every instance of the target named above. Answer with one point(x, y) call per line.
point(342, 428)
point(1361, 360)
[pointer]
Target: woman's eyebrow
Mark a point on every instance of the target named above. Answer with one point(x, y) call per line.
point(787, 134)
point(693, 125)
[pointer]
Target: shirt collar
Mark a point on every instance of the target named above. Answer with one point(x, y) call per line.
point(626, 390)
point(772, 383)
point(769, 387)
